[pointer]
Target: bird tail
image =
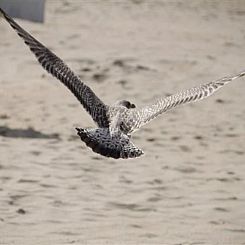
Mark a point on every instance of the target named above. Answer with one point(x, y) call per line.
point(101, 142)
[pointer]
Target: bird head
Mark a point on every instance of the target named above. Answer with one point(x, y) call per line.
point(126, 104)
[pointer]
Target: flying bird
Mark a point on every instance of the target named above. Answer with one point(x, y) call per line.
point(115, 123)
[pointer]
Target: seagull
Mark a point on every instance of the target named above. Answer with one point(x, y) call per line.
point(115, 123)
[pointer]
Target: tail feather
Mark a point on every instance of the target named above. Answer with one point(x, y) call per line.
point(101, 142)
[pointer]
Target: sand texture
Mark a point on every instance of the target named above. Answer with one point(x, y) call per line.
point(188, 188)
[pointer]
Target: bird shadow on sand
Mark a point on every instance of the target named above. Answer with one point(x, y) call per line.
point(25, 133)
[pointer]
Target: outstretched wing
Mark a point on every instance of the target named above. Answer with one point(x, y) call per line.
point(54, 65)
point(139, 117)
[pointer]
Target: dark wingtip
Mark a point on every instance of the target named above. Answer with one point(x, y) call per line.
point(2, 13)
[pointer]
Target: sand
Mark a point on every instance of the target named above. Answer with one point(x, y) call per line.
point(188, 188)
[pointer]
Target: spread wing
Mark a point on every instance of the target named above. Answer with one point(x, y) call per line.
point(54, 65)
point(139, 117)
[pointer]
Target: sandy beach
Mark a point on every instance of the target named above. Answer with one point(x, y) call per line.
point(189, 186)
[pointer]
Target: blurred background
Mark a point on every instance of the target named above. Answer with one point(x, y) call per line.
point(188, 188)
point(28, 9)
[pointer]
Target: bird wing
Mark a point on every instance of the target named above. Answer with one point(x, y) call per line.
point(139, 117)
point(54, 65)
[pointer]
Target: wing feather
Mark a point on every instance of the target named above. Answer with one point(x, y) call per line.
point(54, 65)
point(139, 117)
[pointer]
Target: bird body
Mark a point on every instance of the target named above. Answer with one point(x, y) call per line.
point(117, 122)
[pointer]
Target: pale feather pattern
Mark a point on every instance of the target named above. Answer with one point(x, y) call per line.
point(54, 65)
point(139, 117)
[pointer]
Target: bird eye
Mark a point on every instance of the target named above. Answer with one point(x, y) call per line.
point(128, 104)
